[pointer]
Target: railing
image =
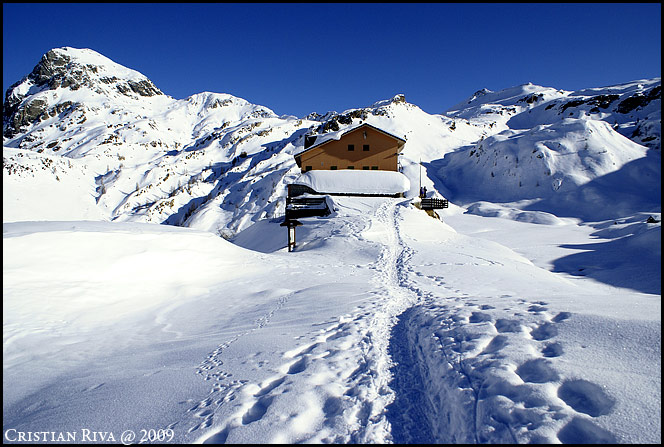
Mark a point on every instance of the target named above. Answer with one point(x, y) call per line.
point(306, 207)
point(303, 202)
point(430, 204)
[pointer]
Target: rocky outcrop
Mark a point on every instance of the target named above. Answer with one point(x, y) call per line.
point(58, 69)
point(331, 121)
point(639, 100)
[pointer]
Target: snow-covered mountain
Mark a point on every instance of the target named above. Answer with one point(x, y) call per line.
point(633, 108)
point(551, 144)
point(218, 163)
point(529, 311)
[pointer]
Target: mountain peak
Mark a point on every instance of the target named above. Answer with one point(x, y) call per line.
point(74, 68)
point(69, 69)
point(396, 99)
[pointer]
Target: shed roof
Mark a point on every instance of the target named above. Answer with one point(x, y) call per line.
point(324, 138)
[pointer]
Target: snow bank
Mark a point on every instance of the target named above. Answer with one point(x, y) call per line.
point(355, 182)
point(73, 291)
point(488, 209)
point(540, 162)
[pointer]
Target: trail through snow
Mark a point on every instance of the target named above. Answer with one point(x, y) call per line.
point(360, 338)
point(385, 325)
point(433, 362)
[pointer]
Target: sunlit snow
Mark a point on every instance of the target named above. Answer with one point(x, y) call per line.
point(147, 283)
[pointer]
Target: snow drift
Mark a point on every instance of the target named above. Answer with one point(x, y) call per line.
point(348, 181)
point(538, 163)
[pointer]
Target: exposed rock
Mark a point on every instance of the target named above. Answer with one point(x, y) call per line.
point(639, 100)
point(530, 99)
point(602, 101)
point(16, 118)
point(399, 99)
point(57, 69)
point(572, 103)
point(332, 124)
point(144, 88)
point(51, 65)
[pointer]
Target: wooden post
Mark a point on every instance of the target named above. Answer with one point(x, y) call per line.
point(291, 238)
point(290, 224)
point(420, 190)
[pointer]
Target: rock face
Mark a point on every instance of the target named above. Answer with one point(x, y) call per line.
point(73, 69)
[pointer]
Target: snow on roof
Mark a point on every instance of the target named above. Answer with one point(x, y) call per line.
point(324, 138)
point(349, 181)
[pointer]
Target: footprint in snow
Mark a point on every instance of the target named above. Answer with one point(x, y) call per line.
point(270, 386)
point(479, 317)
point(306, 349)
point(298, 366)
point(562, 316)
point(586, 397)
point(582, 431)
point(496, 344)
point(257, 410)
point(552, 350)
point(536, 308)
point(544, 331)
point(505, 325)
point(218, 437)
point(537, 371)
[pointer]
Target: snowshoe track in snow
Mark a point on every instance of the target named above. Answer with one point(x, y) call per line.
point(430, 368)
point(483, 399)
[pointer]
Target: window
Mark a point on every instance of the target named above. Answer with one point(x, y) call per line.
point(334, 168)
point(351, 147)
point(365, 147)
point(351, 167)
point(366, 168)
point(307, 168)
point(374, 168)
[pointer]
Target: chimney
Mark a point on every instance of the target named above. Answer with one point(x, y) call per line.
point(309, 140)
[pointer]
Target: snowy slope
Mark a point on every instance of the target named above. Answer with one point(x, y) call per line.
point(42, 187)
point(633, 108)
point(528, 311)
point(384, 326)
point(539, 162)
point(218, 163)
point(133, 141)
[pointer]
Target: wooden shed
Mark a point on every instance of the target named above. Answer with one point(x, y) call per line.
point(363, 147)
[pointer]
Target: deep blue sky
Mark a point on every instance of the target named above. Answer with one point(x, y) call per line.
point(299, 58)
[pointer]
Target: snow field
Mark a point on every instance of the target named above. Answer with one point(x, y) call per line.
point(528, 379)
point(385, 325)
point(531, 314)
point(518, 369)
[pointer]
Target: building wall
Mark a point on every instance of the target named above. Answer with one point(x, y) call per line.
point(382, 153)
